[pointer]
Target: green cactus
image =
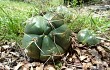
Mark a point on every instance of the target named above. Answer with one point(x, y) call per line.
point(46, 36)
point(85, 36)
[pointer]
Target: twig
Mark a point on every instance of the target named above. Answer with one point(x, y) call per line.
point(103, 39)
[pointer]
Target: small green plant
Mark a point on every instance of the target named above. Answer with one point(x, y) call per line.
point(86, 36)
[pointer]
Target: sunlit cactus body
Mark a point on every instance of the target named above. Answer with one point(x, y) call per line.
point(46, 36)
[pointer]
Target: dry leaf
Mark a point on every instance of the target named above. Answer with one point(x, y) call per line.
point(3, 55)
point(49, 67)
point(78, 51)
point(106, 43)
point(31, 68)
point(102, 51)
point(69, 69)
point(1, 66)
point(94, 52)
point(13, 44)
point(6, 46)
point(2, 59)
point(63, 67)
point(39, 68)
point(7, 67)
point(107, 48)
point(16, 54)
point(94, 61)
point(20, 64)
point(87, 66)
point(83, 57)
point(108, 68)
point(26, 66)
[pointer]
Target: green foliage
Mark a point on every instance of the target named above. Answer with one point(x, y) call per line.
point(12, 16)
point(47, 36)
point(87, 21)
point(74, 3)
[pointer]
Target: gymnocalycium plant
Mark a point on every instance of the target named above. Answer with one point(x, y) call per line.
point(47, 35)
point(86, 36)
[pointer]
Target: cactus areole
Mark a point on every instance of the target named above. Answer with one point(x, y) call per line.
point(46, 36)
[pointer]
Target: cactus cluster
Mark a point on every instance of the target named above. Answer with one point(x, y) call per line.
point(46, 36)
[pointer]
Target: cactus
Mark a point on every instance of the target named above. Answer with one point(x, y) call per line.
point(46, 36)
point(85, 36)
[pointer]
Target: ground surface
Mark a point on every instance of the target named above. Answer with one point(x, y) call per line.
point(79, 57)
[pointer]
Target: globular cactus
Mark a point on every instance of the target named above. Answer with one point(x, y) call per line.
point(46, 36)
point(85, 36)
